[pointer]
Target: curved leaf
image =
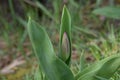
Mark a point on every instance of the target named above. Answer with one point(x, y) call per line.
point(111, 12)
point(104, 68)
point(65, 36)
point(52, 66)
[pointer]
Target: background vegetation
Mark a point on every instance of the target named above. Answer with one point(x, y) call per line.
point(95, 33)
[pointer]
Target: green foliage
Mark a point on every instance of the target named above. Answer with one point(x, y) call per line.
point(109, 11)
point(54, 68)
point(104, 68)
point(65, 36)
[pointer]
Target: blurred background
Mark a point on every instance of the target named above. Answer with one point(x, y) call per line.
point(93, 30)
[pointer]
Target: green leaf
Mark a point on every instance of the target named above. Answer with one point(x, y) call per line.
point(65, 37)
point(104, 68)
point(110, 12)
point(82, 61)
point(52, 66)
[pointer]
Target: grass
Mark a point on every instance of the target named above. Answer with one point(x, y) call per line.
point(95, 38)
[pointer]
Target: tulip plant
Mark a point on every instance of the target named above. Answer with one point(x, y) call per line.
point(57, 66)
